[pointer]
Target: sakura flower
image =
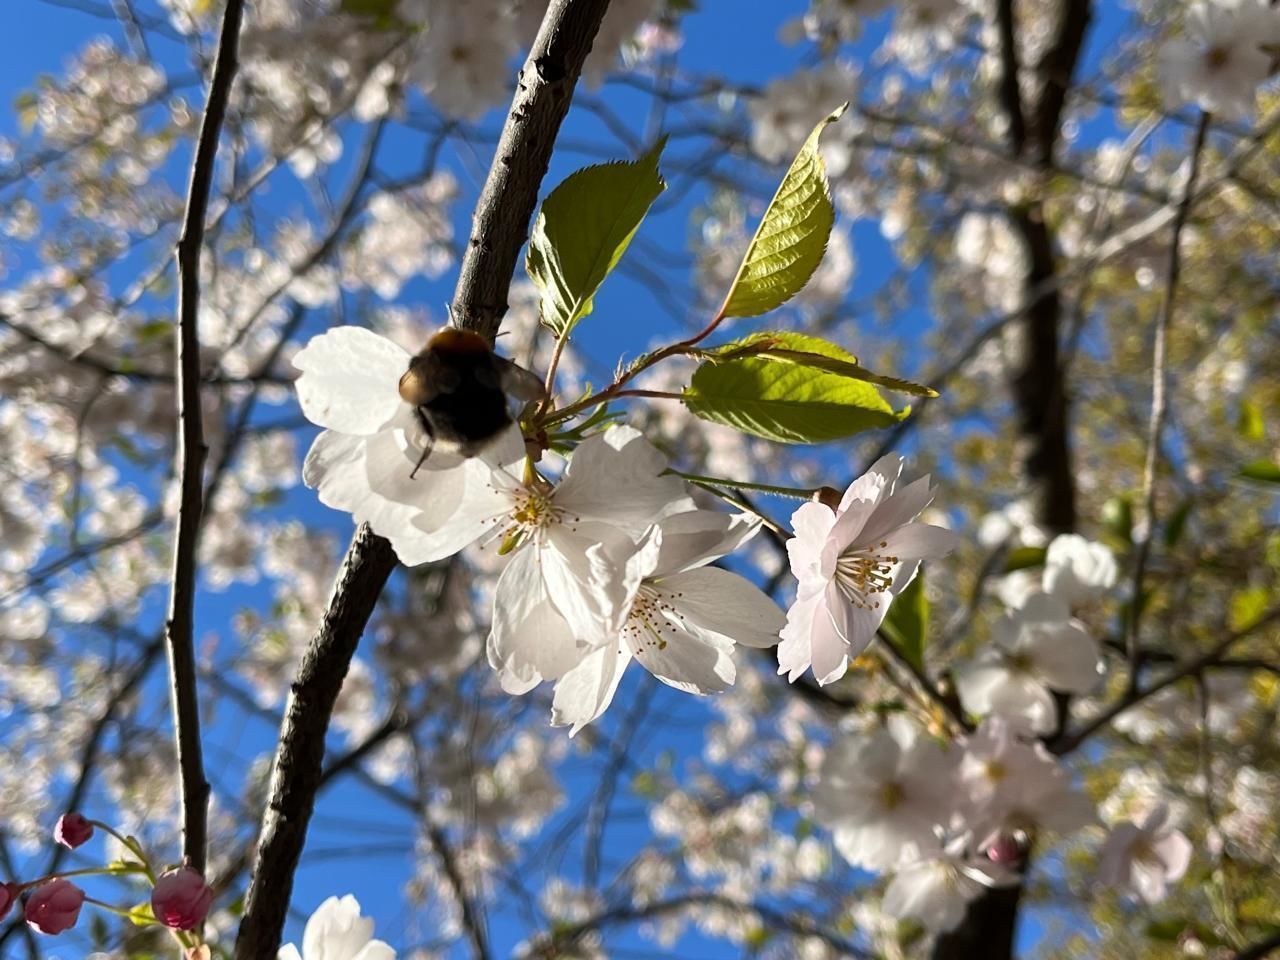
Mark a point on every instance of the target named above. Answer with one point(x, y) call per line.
point(883, 795)
point(1012, 787)
point(1145, 857)
point(570, 578)
point(1220, 62)
point(1033, 651)
point(937, 890)
point(364, 461)
point(851, 563)
point(1078, 570)
point(336, 931)
point(683, 618)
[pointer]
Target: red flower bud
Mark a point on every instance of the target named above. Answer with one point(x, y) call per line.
point(72, 830)
point(181, 899)
point(55, 906)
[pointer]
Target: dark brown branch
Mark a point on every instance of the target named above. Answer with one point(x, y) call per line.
point(501, 220)
point(989, 928)
point(179, 626)
point(499, 229)
point(1261, 949)
point(1010, 94)
point(296, 772)
point(1133, 697)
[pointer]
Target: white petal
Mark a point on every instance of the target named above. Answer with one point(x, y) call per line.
point(614, 477)
point(528, 641)
point(830, 649)
point(931, 893)
point(585, 578)
point(698, 537)
point(795, 650)
point(586, 691)
point(1066, 658)
point(1174, 851)
point(723, 604)
point(336, 931)
point(898, 509)
point(376, 950)
point(918, 541)
point(856, 626)
point(812, 524)
point(350, 380)
point(288, 952)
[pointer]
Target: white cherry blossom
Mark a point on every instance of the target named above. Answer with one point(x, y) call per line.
point(1145, 857)
point(935, 891)
point(1078, 570)
point(851, 562)
point(572, 570)
point(1033, 651)
point(1220, 61)
point(336, 931)
point(364, 461)
point(1012, 786)
point(683, 618)
point(883, 795)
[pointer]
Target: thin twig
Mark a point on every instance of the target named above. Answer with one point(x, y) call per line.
point(1190, 668)
point(1159, 402)
point(179, 626)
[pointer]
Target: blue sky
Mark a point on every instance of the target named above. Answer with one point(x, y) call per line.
point(730, 38)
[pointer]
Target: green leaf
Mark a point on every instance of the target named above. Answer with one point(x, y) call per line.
point(1177, 523)
point(1024, 558)
point(907, 622)
point(141, 915)
point(1248, 606)
point(792, 237)
point(119, 868)
point(382, 13)
point(582, 231)
point(853, 370)
point(1250, 424)
point(1117, 516)
point(1264, 471)
point(785, 401)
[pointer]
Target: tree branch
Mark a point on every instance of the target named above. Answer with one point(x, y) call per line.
point(296, 771)
point(1159, 403)
point(1133, 697)
point(499, 229)
point(179, 626)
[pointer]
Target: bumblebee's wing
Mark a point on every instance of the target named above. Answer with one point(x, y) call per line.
point(518, 382)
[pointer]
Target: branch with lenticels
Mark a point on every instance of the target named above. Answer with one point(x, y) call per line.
point(500, 226)
point(179, 625)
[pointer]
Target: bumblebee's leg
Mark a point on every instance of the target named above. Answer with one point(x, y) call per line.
point(429, 440)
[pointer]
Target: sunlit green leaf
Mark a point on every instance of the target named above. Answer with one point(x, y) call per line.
point(1250, 423)
point(1023, 558)
point(907, 622)
point(786, 401)
point(1264, 471)
point(582, 231)
point(792, 236)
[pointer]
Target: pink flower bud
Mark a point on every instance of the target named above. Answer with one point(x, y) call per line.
point(72, 830)
point(1005, 849)
point(181, 899)
point(8, 897)
point(55, 906)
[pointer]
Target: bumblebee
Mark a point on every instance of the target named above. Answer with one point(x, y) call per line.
point(459, 387)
